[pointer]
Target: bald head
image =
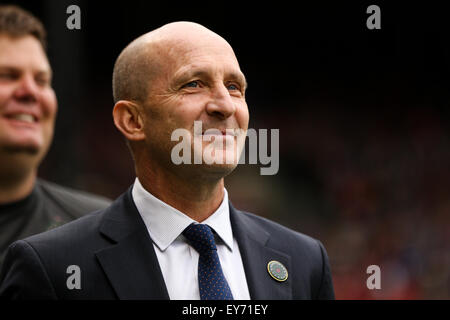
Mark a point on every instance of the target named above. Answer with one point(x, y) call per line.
point(144, 58)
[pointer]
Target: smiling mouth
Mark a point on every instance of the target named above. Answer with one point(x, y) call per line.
point(24, 117)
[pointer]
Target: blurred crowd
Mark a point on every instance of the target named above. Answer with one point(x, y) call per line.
point(384, 176)
point(389, 184)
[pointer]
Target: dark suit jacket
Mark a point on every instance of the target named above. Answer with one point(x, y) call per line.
point(117, 260)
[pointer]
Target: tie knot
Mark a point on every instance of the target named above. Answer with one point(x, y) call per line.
point(201, 237)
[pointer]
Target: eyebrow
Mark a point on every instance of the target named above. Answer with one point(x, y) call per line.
point(205, 73)
point(11, 68)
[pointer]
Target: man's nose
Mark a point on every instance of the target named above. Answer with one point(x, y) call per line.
point(27, 90)
point(221, 105)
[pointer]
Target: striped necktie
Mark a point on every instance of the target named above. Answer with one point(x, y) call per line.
point(211, 280)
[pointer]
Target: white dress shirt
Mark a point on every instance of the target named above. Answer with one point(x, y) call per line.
point(177, 259)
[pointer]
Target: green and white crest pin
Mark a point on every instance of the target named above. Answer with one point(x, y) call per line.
point(277, 271)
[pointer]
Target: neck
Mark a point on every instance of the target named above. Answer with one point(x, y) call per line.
point(16, 187)
point(196, 197)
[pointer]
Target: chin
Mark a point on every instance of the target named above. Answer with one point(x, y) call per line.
point(34, 147)
point(26, 148)
point(218, 171)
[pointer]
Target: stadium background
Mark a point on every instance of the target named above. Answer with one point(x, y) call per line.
point(363, 116)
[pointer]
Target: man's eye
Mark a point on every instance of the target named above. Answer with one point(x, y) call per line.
point(232, 87)
point(192, 84)
point(42, 81)
point(7, 76)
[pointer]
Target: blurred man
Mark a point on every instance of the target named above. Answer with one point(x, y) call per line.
point(173, 234)
point(28, 106)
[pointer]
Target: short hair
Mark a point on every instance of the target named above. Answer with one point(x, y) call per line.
point(17, 22)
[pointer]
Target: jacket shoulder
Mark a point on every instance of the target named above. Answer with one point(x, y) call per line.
point(280, 232)
point(74, 202)
point(308, 255)
point(77, 232)
point(36, 267)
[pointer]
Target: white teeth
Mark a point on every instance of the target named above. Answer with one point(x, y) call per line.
point(24, 117)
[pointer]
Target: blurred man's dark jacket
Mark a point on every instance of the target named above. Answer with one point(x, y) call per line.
point(48, 206)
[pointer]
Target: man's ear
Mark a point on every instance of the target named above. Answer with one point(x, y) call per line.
point(128, 120)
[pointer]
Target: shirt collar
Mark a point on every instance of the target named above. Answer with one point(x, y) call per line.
point(165, 223)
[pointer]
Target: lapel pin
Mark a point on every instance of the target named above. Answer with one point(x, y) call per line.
point(277, 271)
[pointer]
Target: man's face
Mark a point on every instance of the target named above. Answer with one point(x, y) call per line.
point(199, 81)
point(27, 101)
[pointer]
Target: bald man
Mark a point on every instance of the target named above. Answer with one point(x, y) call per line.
point(173, 234)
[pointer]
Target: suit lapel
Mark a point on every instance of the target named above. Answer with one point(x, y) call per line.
point(132, 267)
point(130, 263)
point(256, 254)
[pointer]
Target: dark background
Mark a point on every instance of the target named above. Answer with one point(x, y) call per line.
point(363, 118)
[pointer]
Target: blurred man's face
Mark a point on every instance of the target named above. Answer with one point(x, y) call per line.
point(27, 101)
point(200, 81)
